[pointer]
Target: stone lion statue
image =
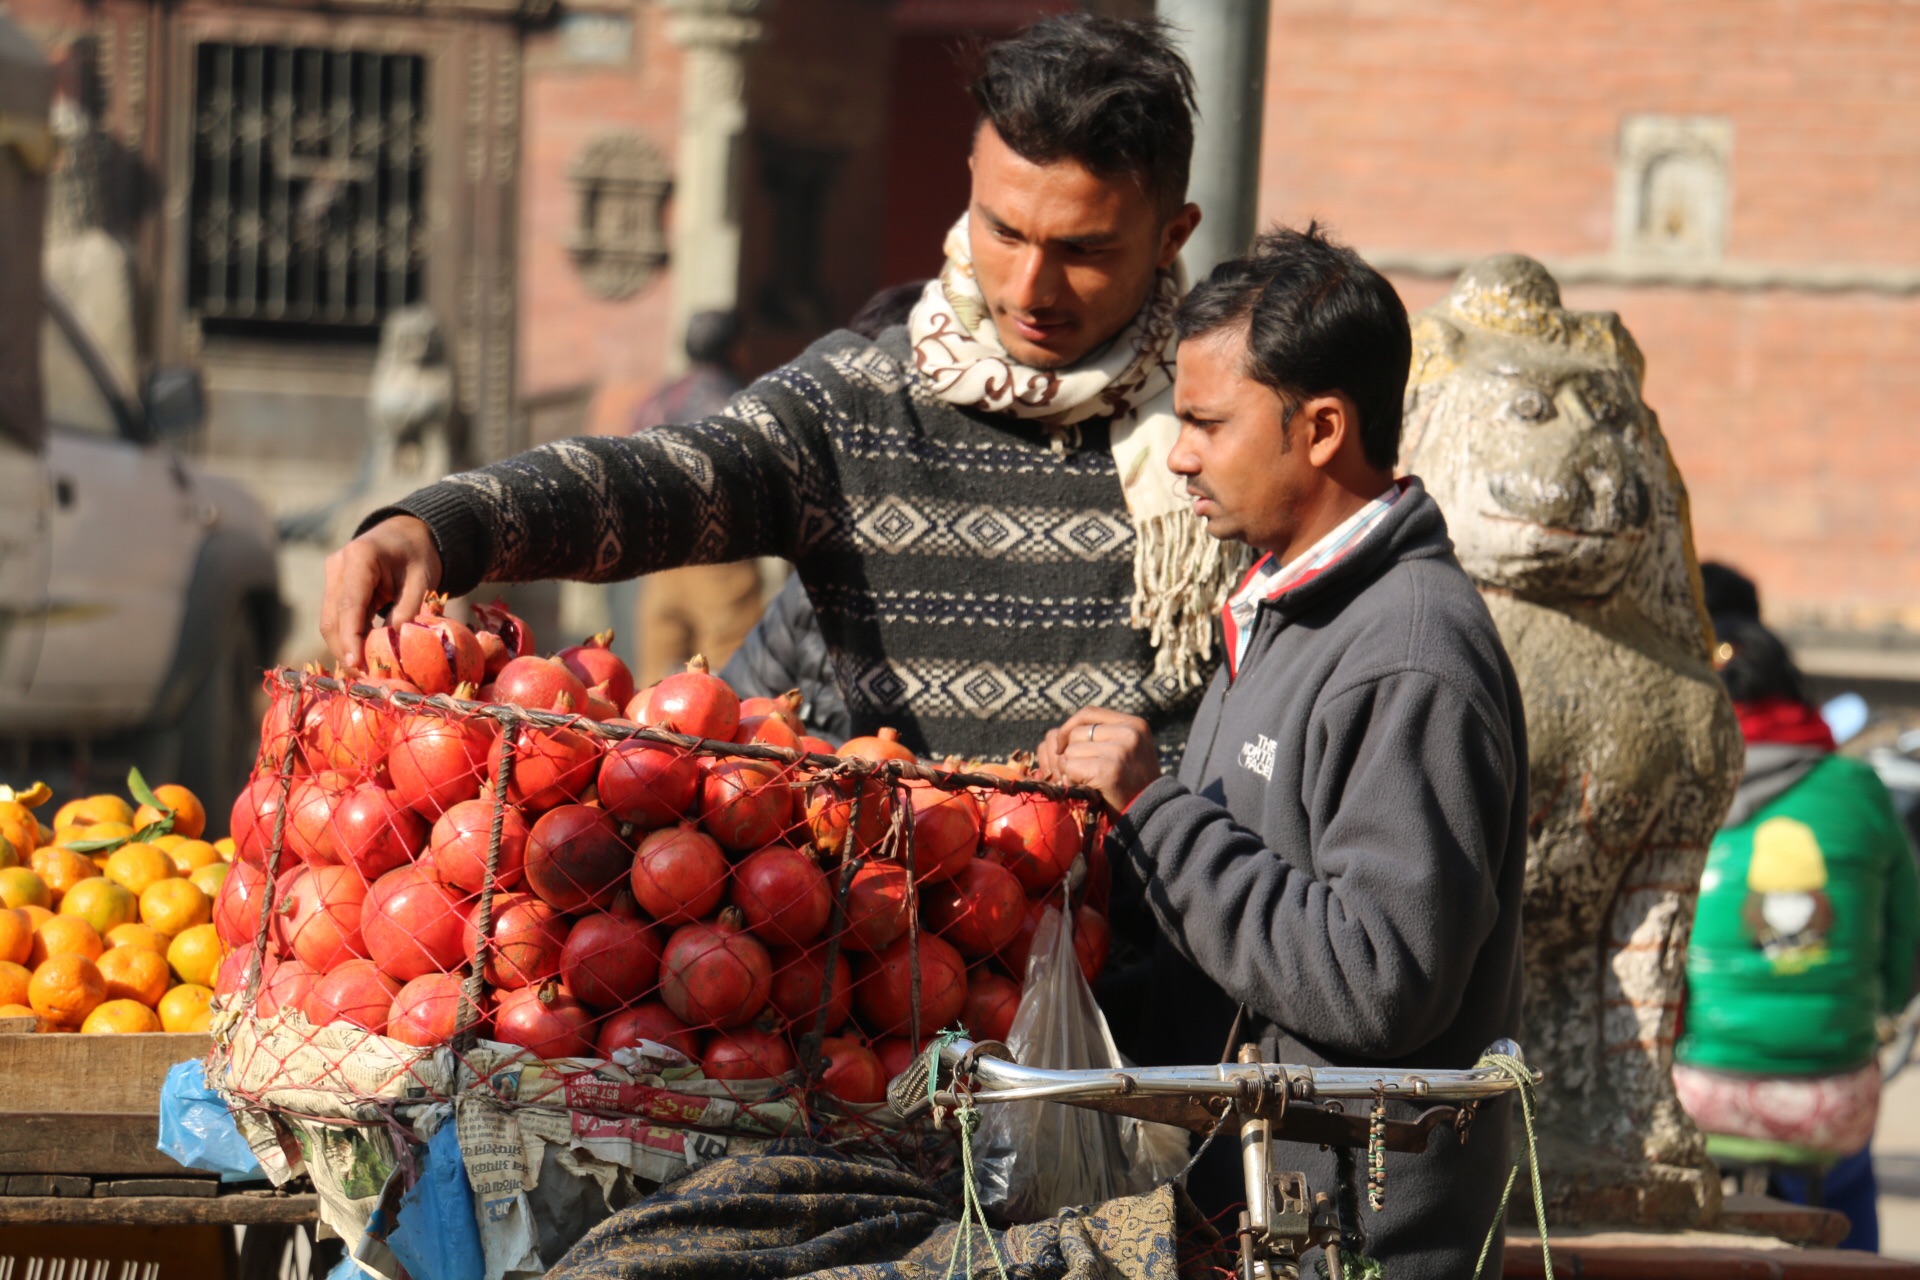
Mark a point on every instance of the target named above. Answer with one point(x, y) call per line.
point(1525, 421)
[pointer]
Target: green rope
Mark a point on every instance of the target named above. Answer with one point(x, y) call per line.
point(969, 1120)
point(1516, 1070)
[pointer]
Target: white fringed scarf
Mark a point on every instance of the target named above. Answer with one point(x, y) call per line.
point(1181, 576)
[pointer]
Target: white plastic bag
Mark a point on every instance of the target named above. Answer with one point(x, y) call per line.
point(1036, 1158)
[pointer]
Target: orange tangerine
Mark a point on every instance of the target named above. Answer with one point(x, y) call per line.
point(188, 1007)
point(17, 1011)
point(101, 903)
point(36, 915)
point(209, 879)
point(13, 982)
point(133, 973)
point(144, 936)
point(226, 846)
point(189, 815)
point(64, 936)
point(173, 905)
point(166, 841)
point(22, 887)
point(195, 954)
point(66, 989)
point(98, 831)
point(8, 858)
point(120, 1017)
point(138, 865)
point(16, 936)
point(89, 810)
point(62, 869)
point(20, 827)
point(189, 855)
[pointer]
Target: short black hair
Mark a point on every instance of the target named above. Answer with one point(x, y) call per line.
point(1729, 591)
point(1754, 662)
point(1318, 320)
point(887, 308)
point(1111, 93)
point(711, 335)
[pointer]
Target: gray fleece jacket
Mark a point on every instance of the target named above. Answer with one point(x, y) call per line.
point(1343, 851)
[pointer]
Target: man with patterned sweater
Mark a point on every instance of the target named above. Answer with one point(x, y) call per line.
point(978, 501)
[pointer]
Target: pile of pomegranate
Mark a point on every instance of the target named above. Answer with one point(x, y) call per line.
point(641, 890)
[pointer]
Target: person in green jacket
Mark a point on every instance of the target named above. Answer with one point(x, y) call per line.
point(1805, 933)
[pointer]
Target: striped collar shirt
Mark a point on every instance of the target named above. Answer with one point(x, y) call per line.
point(1268, 581)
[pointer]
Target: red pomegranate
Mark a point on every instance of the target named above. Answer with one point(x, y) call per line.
point(353, 732)
point(436, 763)
point(426, 1013)
point(543, 684)
point(818, 746)
point(576, 858)
point(979, 910)
point(650, 1021)
point(236, 908)
point(946, 832)
point(502, 636)
point(648, 783)
point(374, 832)
point(231, 977)
point(1034, 837)
point(278, 732)
point(694, 702)
point(830, 814)
point(286, 986)
point(795, 994)
point(545, 1021)
point(610, 960)
point(311, 807)
point(433, 652)
point(1092, 940)
point(992, 1001)
point(528, 937)
point(255, 814)
point(747, 1053)
point(1014, 953)
point(414, 925)
point(550, 766)
point(884, 744)
point(744, 804)
point(896, 1053)
point(766, 731)
point(786, 708)
point(679, 874)
point(883, 986)
point(325, 915)
point(876, 907)
point(355, 992)
point(784, 896)
point(715, 974)
point(457, 846)
point(853, 1072)
point(600, 669)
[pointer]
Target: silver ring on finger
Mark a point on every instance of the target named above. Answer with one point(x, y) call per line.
point(1090, 729)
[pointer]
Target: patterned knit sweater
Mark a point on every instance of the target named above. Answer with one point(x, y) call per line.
point(972, 585)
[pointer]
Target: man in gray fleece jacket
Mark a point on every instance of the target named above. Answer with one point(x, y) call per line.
point(1343, 849)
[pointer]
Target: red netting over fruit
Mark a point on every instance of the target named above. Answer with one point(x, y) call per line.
point(660, 912)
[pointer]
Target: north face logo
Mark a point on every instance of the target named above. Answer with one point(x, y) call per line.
point(1258, 755)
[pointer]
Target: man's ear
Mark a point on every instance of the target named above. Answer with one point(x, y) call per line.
point(1174, 236)
point(1330, 420)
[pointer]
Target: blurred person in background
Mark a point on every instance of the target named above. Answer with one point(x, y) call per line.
point(1808, 918)
point(703, 608)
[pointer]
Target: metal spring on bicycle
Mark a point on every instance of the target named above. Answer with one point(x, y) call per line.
point(1377, 1151)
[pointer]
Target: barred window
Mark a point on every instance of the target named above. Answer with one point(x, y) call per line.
point(309, 188)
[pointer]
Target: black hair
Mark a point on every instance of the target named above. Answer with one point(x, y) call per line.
point(1111, 93)
point(1754, 663)
point(1729, 591)
point(1318, 319)
point(887, 308)
point(711, 335)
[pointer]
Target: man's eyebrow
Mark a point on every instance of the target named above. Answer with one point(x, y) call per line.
point(1091, 240)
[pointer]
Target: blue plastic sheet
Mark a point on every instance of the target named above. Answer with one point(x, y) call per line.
point(197, 1130)
point(437, 1237)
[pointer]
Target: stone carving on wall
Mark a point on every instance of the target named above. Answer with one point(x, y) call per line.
point(1671, 182)
point(1526, 422)
point(620, 182)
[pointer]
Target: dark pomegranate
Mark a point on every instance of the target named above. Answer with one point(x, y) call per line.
point(543, 684)
point(576, 859)
point(679, 874)
point(992, 1000)
point(610, 960)
point(432, 652)
point(325, 908)
point(648, 783)
point(747, 1053)
point(286, 986)
point(795, 994)
point(545, 1021)
point(744, 804)
point(650, 1021)
point(599, 668)
point(1034, 837)
point(715, 974)
point(784, 896)
point(876, 907)
point(502, 636)
point(427, 1011)
point(354, 992)
point(374, 832)
point(414, 925)
point(694, 702)
point(853, 1072)
point(528, 938)
point(979, 910)
point(550, 767)
point(883, 986)
point(896, 1054)
point(946, 832)
point(236, 908)
point(435, 763)
point(457, 846)
point(786, 708)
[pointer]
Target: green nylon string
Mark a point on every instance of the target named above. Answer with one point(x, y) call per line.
point(969, 1119)
point(1516, 1070)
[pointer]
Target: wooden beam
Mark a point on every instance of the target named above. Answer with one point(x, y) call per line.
point(115, 1074)
point(238, 1209)
point(83, 1144)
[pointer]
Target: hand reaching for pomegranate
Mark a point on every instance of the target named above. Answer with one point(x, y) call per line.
point(388, 569)
point(1105, 750)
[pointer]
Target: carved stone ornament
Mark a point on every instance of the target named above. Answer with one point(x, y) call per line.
point(621, 182)
point(1671, 187)
point(1525, 421)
